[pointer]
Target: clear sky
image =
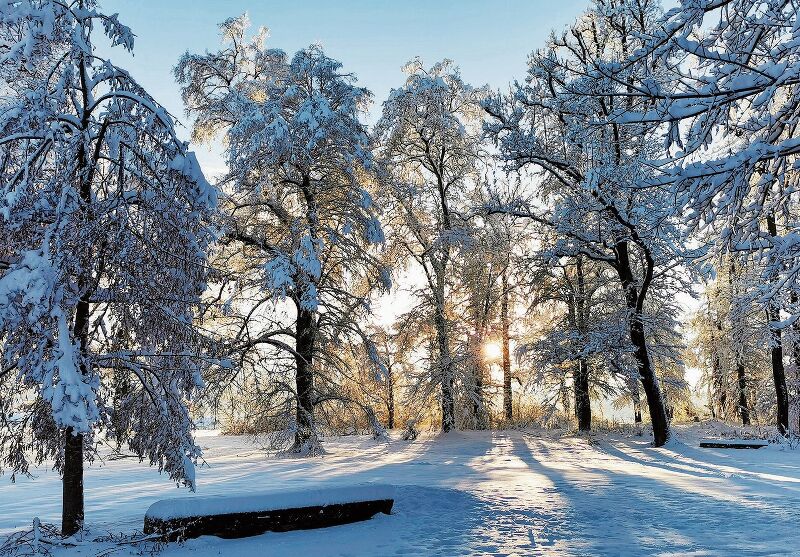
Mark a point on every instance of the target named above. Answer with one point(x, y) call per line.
point(489, 40)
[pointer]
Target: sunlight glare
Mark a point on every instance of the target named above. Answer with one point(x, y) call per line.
point(493, 351)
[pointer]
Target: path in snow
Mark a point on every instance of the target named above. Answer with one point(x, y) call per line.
point(477, 493)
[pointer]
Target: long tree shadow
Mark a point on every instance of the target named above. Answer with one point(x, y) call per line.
point(567, 512)
point(722, 469)
point(614, 513)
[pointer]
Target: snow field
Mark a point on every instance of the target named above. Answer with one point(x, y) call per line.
point(472, 493)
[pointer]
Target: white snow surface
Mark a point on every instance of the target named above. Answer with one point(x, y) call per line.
point(470, 493)
point(184, 507)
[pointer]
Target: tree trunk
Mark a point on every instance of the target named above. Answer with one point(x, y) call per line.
point(390, 398)
point(304, 379)
point(655, 403)
point(508, 406)
point(480, 415)
point(776, 353)
point(72, 494)
point(744, 411)
point(718, 395)
point(445, 361)
point(794, 298)
point(741, 375)
point(478, 403)
point(583, 409)
point(72, 512)
point(445, 365)
point(778, 371)
point(72, 509)
point(634, 301)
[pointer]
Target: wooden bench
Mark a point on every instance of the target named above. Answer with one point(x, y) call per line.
point(733, 443)
point(250, 515)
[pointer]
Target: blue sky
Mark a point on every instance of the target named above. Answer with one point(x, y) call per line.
point(489, 40)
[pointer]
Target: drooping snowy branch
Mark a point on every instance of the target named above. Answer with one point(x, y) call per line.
point(105, 217)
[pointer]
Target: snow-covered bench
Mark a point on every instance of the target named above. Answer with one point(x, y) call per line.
point(250, 515)
point(733, 443)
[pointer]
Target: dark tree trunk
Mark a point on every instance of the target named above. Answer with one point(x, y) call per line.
point(72, 509)
point(655, 402)
point(440, 320)
point(390, 398)
point(744, 410)
point(776, 353)
point(445, 368)
point(717, 392)
point(634, 301)
point(583, 409)
point(508, 407)
point(712, 398)
point(478, 408)
point(741, 375)
point(72, 512)
point(718, 396)
point(796, 353)
point(306, 333)
point(72, 494)
point(778, 371)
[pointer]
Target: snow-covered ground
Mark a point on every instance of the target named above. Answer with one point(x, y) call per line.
point(473, 493)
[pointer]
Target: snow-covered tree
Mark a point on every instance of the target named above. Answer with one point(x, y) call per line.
point(479, 269)
point(731, 113)
point(730, 343)
point(591, 174)
point(297, 195)
point(490, 273)
point(104, 219)
point(429, 144)
point(580, 340)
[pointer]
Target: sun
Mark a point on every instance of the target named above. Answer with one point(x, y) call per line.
point(493, 351)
